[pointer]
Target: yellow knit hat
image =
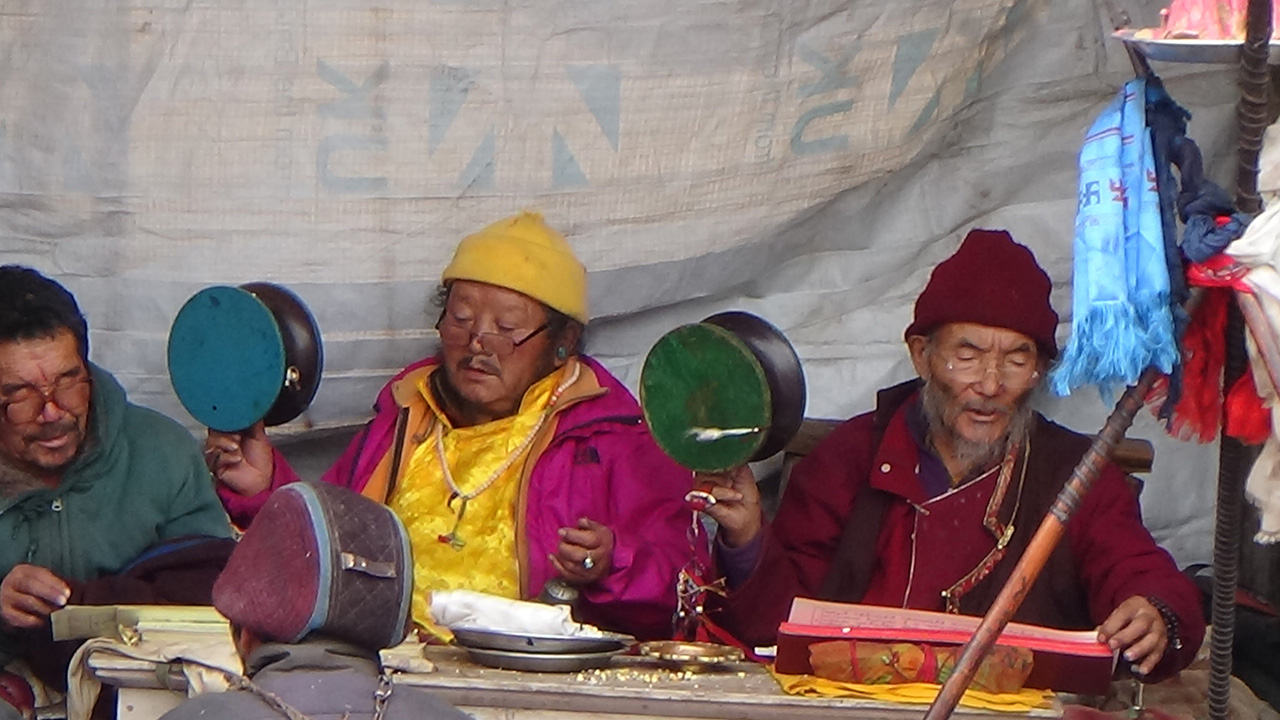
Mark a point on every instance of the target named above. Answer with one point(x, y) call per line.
point(524, 254)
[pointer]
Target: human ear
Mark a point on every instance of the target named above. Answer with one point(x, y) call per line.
point(918, 347)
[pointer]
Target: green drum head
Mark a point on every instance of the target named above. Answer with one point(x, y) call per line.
point(705, 398)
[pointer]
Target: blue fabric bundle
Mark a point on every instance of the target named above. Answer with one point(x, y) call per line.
point(1121, 322)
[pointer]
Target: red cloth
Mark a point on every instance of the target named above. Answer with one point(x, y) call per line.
point(1114, 554)
point(1017, 300)
point(1198, 413)
point(1247, 419)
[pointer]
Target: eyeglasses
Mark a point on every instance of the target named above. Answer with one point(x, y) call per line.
point(453, 332)
point(1011, 371)
point(68, 393)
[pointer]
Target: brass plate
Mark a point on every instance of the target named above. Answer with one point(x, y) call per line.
point(691, 655)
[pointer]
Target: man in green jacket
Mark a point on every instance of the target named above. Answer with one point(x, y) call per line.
point(88, 481)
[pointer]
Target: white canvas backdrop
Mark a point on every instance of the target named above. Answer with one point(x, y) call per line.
point(809, 161)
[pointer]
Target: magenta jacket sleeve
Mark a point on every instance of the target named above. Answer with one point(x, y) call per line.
point(798, 545)
point(351, 470)
point(610, 470)
point(651, 526)
point(1119, 559)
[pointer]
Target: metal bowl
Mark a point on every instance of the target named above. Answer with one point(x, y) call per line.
point(692, 656)
point(487, 639)
point(1190, 50)
point(541, 662)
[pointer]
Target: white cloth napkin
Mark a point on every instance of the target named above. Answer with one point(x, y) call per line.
point(468, 609)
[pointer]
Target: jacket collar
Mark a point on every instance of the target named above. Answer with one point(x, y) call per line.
point(406, 394)
point(896, 463)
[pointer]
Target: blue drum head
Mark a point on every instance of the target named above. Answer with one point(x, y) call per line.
point(226, 358)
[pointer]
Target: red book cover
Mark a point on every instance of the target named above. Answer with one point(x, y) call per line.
point(1064, 660)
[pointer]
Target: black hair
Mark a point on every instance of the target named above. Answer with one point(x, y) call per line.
point(33, 306)
point(557, 322)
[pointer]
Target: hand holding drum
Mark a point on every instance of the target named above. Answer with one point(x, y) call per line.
point(718, 394)
point(241, 359)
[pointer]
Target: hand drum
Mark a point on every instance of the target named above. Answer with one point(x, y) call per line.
point(238, 355)
point(722, 392)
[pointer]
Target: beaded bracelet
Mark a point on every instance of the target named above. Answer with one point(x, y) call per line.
point(1170, 621)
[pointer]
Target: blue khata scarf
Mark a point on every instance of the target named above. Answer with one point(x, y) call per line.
point(1120, 320)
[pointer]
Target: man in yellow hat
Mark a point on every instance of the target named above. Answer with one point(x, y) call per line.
point(511, 458)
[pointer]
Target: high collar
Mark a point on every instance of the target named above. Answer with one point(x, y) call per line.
point(405, 391)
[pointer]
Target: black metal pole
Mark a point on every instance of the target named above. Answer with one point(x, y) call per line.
point(1234, 458)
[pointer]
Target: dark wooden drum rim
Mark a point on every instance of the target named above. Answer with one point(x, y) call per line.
point(782, 371)
point(303, 351)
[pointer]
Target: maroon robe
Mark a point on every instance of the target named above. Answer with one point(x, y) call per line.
point(818, 545)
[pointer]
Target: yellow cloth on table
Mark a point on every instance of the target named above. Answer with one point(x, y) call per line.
point(488, 561)
point(912, 693)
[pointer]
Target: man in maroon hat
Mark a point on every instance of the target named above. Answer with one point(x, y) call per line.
point(928, 501)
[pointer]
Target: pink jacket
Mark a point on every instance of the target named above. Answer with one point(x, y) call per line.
point(597, 461)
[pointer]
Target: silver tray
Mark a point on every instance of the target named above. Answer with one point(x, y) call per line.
point(1213, 52)
point(525, 643)
point(541, 662)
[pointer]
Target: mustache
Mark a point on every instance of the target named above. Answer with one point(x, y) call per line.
point(987, 406)
point(49, 432)
point(483, 363)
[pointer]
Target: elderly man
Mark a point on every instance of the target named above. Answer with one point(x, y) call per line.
point(928, 501)
point(512, 459)
point(88, 480)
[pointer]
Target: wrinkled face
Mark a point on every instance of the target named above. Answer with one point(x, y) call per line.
point(48, 373)
point(978, 384)
point(489, 384)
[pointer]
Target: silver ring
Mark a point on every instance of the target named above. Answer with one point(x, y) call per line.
point(588, 563)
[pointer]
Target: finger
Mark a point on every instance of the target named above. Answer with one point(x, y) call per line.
point(586, 523)
point(571, 554)
point(41, 583)
point(16, 618)
point(226, 461)
point(716, 479)
point(742, 476)
point(1140, 652)
point(1138, 627)
point(569, 571)
point(587, 539)
point(555, 563)
point(226, 442)
point(724, 494)
point(720, 513)
point(1120, 618)
point(1153, 658)
point(30, 605)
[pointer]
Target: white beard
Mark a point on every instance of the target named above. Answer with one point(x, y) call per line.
point(974, 456)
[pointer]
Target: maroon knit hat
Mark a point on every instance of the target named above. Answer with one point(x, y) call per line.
point(991, 280)
point(320, 558)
